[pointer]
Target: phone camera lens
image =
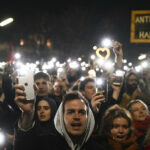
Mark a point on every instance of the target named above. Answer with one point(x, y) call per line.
point(26, 84)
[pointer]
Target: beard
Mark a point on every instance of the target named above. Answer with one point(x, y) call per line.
point(131, 88)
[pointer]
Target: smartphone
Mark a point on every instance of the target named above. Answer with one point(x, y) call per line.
point(99, 93)
point(117, 81)
point(27, 81)
point(102, 89)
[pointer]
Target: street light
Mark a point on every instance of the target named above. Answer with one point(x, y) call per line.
point(2, 24)
point(6, 21)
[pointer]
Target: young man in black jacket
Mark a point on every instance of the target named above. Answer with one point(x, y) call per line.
point(97, 101)
point(74, 123)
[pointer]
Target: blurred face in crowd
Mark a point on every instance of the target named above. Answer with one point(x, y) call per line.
point(147, 75)
point(132, 82)
point(64, 83)
point(139, 111)
point(43, 87)
point(120, 129)
point(57, 88)
point(43, 111)
point(89, 90)
point(75, 116)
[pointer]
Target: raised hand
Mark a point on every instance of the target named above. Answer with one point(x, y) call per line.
point(96, 101)
point(20, 99)
point(117, 48)
point(27, 107)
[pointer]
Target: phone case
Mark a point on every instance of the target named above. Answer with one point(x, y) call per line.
point(27, 82)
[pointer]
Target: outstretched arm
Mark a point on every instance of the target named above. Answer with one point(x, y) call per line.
point(117, 48)
point(26, 106)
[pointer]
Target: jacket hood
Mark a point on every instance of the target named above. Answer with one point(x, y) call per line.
point(60, 127)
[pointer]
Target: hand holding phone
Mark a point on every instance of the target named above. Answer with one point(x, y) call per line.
point(117, 48)
point(117, 45)
point(118, 80)
point(96, 101)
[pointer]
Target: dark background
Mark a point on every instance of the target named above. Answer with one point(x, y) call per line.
point(73, 27)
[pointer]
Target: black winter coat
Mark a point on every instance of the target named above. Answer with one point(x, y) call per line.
point(52, 141)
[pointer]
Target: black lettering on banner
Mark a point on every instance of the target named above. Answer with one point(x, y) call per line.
point(140, 26)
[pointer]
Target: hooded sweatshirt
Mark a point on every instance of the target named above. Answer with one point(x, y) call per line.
point(60, 127)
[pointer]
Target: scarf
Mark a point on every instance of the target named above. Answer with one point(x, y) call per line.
point(128, 144)
point(147, 147)
point(141, 126)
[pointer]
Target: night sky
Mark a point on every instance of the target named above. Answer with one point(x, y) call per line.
point(77, 25)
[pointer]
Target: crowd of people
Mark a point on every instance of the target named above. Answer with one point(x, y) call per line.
point(74, 114)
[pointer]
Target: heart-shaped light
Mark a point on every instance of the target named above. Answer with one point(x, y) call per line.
point(103, 53)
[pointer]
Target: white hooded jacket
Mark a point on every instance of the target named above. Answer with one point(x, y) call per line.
point(60, 127)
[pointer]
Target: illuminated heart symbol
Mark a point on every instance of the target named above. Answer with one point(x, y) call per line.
point(103, 53)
